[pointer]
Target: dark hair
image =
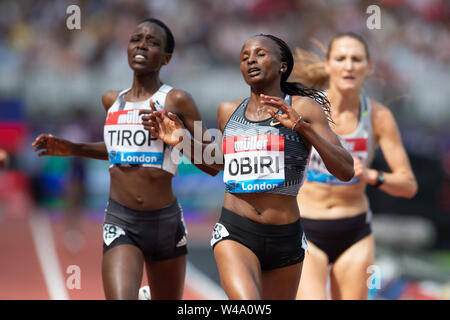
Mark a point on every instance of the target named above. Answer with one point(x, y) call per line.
point(351, 35)
point(297, 88)
point(170, 41)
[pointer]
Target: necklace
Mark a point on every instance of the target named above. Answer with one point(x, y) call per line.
point(261, 111)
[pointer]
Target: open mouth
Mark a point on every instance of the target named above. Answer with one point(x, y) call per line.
point(140, 58)
point(253, 71)
point(349, 78)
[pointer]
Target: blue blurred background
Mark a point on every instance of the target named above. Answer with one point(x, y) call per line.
point(52, 80)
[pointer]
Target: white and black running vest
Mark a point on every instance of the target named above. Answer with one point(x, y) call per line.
point(128, 143)
point(359, 144)
point(262, 156)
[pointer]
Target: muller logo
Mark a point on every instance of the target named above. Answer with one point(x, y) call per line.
point(131, 117)
point(354, 144)
point(124, 117)
point(251, 143)
point(261, 142)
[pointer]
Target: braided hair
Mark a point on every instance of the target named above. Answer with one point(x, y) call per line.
point(297, 88)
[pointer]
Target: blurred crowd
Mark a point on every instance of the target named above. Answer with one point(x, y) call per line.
point(411, 51)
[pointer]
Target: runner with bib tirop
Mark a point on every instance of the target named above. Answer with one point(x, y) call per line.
point(143, 221)
point(258, 242)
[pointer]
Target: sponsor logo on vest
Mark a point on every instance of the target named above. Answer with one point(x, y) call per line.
point(261, 142)
point(130, 117)
point(274, 123)
point(251, 143)
point(354, 144)
point(348, 145)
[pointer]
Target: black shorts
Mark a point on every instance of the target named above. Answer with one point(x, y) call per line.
point(275, 246)
point(160, 234)
point(334, 236)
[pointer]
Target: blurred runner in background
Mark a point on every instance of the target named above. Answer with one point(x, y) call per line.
point(336, 215)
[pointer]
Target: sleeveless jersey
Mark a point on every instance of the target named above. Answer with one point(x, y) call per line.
point(128, 143)
point(262, 156)
point(359, 144)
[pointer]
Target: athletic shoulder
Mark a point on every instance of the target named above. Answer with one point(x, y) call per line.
point(225, 111)
point(182, 104)
point(229, 106)
point(378, 109)
point(307, 107)
point(383, 121)
point(177, 98)
point(108, 98)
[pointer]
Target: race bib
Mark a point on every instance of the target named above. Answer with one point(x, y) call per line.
point(304, 242)
point(111, 233)
point(357, 147)
point(219, 233)
point(317, 171)
point(253, 163)
point(128, 142)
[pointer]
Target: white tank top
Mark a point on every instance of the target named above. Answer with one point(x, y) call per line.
point(359, 144)
point(128, 143)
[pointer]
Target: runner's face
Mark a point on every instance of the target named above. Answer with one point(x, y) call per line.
point(260, 61)
point(347, 64)
point(146, 49)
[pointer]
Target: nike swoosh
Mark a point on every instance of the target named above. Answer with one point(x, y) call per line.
point(274, 123)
